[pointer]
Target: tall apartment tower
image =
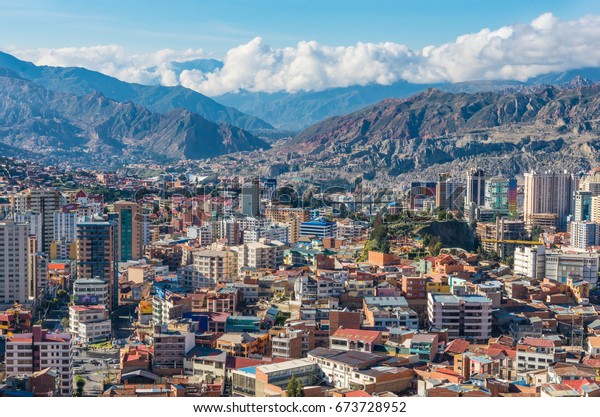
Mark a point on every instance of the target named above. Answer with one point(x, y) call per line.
point(476, 187)
point(97, 255)
point(13, 262)
point(249, 198)
point(130, 236)
point(549, 193)
point(583, 206)
point(46, 202)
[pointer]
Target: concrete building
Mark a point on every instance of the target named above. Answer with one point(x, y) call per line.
point(530, 261)
point(97, 255)
point(389, 312)
point(560, 266)
point(249, 198)
point(90, 291)
point(129, 230)
point(44, 202)
point(27, 353)
point(354, 339)
point(13, 263)
point(476, 182)
point(89, 324)
point(535, 353)
point(320, 228)
point(170, 348)
point(264, 254)
point(467, 316)
point(549, 193)
point(217, 265)
point(584, 234)
point(65, 226)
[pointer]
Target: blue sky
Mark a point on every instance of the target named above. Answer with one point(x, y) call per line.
point(309, 45)
point(218, 25)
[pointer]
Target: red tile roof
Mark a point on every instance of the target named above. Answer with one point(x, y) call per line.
point(457, 346)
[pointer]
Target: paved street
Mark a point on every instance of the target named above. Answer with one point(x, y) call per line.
point(95, 375)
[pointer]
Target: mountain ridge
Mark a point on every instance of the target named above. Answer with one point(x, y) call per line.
point(160, 99)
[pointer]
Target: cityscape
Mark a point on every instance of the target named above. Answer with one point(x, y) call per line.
point(173, 230)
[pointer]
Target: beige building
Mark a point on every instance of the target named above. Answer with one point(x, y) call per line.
point(13, 262)
point(217, 265)
point(264, 254)
point(549, 192)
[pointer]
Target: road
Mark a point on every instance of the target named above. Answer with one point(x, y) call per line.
point(96, 375)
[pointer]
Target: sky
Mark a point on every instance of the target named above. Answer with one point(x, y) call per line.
point(292, 45)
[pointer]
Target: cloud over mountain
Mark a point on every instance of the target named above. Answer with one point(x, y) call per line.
point(515, 52)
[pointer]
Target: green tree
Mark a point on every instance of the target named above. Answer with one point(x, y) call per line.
point(299, 389)
point(441, 215)
point(65, 323)
point(294, 388)
point(536, 232)
point(291, 388)
point(79, 383)
point(280, 318)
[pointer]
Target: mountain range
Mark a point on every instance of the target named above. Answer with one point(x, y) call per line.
point(509, 132)
point(93, 128)
point(80, 81)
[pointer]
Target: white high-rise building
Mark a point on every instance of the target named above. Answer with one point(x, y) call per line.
point(530, 261)
point(35, 225)
point(584, 234)
point(13, 262)
point(65, 226)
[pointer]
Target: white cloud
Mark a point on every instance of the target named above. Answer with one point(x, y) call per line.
point(512, 52)
point(114, 60)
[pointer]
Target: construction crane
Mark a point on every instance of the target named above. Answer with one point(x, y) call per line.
point(517, 242)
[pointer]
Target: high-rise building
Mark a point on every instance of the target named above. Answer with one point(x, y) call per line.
point(449, 195)
point(65, 226)
point(37, 270)
point(476, 187)
point(583, 206)
point(27, 353)
point(584, 234)
point(549, 193)
point(501, 195)
point(35, 225)
point(249, 198)
point(591, 182)
point(97, 255)
point(420, 192)
point(130, 234)
point(45, 202)
point(13, 262)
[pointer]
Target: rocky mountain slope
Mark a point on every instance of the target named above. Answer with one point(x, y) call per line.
point(437, 130)
point(47, 123)
point(159, 99)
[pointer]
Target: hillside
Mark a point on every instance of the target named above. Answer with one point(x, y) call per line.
point(46, 123)
point(159, 99)
point(434, 128)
